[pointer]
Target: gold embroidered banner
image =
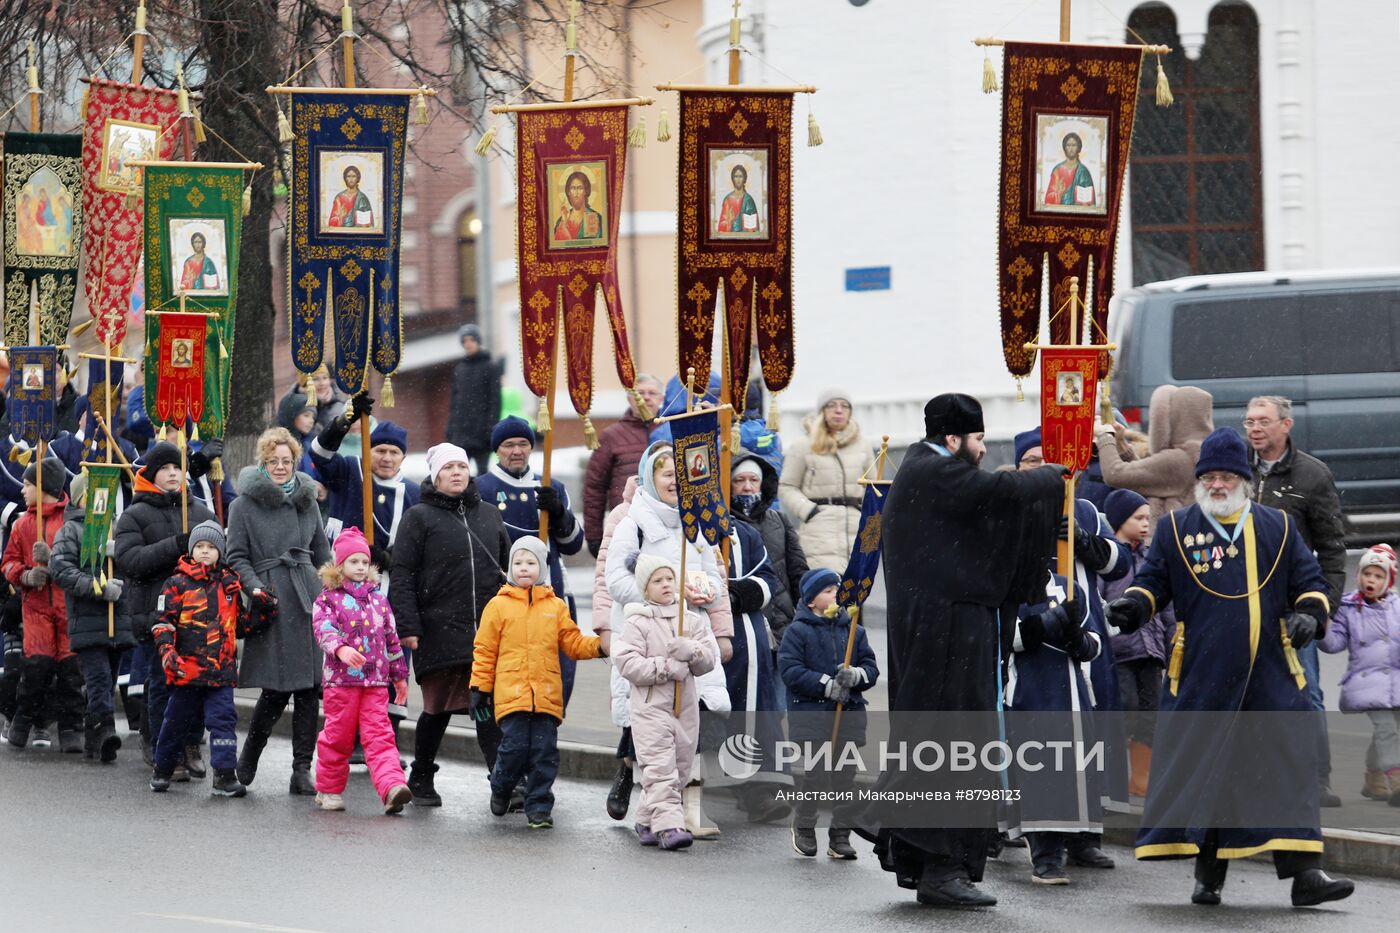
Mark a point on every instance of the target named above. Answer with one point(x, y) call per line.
point(43, 227)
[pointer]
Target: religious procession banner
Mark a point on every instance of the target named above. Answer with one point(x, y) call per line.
point(99, 508)
point(735, 207)
point(865, 551)
point(43, 227)
point(179, 365)
point(1067, 124)
point(32, 393)
point(103, 398)
point(122, 123)
point(570, 166)
point(695, 441)
point(194, 226)
point(347, 187)
point(1068, 387)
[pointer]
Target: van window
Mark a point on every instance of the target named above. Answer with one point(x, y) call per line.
point(1352, 332)
point(1229, 339)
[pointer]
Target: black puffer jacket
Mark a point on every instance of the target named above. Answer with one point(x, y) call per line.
point(147, 548)
point(781, 541)
point(87, 614)
point(449, 557)
point(1302, 485)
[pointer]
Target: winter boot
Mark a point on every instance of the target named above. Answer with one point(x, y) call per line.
point(301, 784)
point(399, 797)
point(1375, 786)
point(500, 804)
point(226, 784)
point(695, 821)
point(41, 738)
point(330, 802)
point(1315, 886)
point(70, 741)
point(91, 726)
point(194, 764)
point(18, 733)
point(674, 839)
point(420, 781)
point(838, 845)
point(804, 840)
point(160, 781)
point(620, 794)
point(148, 750)
point(181, 774)
point(644, 835)
point(265, 716)
point(543, 820)
point(1140, 758)
point(107, 740)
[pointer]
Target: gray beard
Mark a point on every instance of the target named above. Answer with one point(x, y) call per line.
point(1221, 508)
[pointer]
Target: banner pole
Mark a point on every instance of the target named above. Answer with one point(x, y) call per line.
point(1064, 20)
point(680, 584)
point(138, 44)
point(34, 90)
point(734, 44)
point(111, 441)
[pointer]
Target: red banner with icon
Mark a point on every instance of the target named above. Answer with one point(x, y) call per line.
point(180, 368)
point(1068, 385)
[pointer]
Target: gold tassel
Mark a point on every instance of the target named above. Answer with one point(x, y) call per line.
point(386, 395)
point(420, 110)
point(223, 349)
point(216, 470)
point(132, 201)
point(96, 587)
point(774, 424)
point(162, 434)
point(484, 145)
point(590, 434)
point(542, 423)
point(989, 74)
point(736, 439)
point(643, 411)
point(1164, 89)
point(637, 135)
point(22, 457)
point(248, 199)
point(284, 127)
point(1178, 651)
point(1020, 390)
point(814, 132)
point(663, 127)
point(199, 136)
point(1295, 666)
point(194, 437)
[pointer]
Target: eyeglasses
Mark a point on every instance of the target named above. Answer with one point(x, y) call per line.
point(1220, 478)
point(281, 463)
point(1260, 422)
point(1034, 461)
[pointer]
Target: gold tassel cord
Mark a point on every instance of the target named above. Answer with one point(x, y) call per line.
point(216, 470)
point(590, 434)
point(194, 436)
point(773, 421)
point(420, 109)
point(542, 423)
point(637, 135)
point(1020, 390)
point(644, 412)
point(199, 136)
point(989, 74)
point(248, 200)
point(487, 139)
point(814, 132)
point(663, 127)
point(736, 439)
point(386, 395)
point(284, 127)
point(1164, 88)
point(162, 433)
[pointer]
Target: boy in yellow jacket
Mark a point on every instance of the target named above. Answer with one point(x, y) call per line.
point(515, 677)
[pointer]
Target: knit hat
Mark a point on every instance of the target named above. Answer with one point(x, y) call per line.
point(77, 488)
point(1025, 441)
point(647, 565)
point(158, 455)
point(440, 455)
point(1120, 505)
point(511, 427)
point(386, 432)
point(952, 413)
point(536, 547)
point(207, 530)
point(1223, 449)
point(1379, 556)
point(349, 541)
point(828, 396)
point(746, 467)
point(469, 330)
point(54, 475)
point(646, 469)
point(816, 580)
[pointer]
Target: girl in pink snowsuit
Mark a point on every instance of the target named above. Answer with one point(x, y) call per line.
point(355, 628)
point(657, 662)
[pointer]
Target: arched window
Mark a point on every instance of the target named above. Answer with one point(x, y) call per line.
point(1197, 202)
point(468, 229)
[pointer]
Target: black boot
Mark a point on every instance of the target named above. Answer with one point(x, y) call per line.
point(70, 741)
point(1313, 887)
point(838, 844)
point(20, 727)
point(420, 781)
point(226, 784)
point(265, 715)
point(1210, 879)
point(107, 740)
point(620, 795)
point(194, 763)
point(301, 784)
point(303, 743)
point(92, 725)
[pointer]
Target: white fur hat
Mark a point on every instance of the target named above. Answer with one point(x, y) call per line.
point(648, 564)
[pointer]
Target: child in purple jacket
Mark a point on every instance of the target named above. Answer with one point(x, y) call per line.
point(355, 628)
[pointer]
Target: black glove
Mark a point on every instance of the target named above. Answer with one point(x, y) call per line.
point(1092, 549)
point(746, 595)
point(479, 706)
point(1047, 628)
point(594, 546)
point(333, 434)
point(551, 503)
point(203, 459)
point(1301, 628)
point(360, 406)
point(182, 541)
point(1128, 613)
point(1060, 468)
point(1081, 646)
point(379, 557)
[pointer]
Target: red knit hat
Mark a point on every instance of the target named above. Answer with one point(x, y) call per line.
point(350, 541)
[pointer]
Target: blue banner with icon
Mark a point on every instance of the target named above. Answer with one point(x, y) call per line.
point(865, 551)
point(695, 440)
point(32, 393)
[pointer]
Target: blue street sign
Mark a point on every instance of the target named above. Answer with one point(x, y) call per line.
point(871, 279)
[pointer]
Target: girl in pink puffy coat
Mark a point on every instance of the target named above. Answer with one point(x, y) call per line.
point(355, 628)
point(1367, 627)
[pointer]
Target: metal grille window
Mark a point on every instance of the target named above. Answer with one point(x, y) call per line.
point(1195, 173)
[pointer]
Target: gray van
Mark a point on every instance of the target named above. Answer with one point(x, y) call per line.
point(1330, 341)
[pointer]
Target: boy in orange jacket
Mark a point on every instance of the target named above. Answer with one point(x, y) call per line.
point(515, 676)
point(47, 655)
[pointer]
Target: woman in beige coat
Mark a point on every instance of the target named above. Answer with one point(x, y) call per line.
point(1179, 418)
point(820, 488)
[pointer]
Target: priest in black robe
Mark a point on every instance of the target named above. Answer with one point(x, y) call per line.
point(963, 548)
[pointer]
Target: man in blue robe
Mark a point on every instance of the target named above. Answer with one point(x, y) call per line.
point(343, 476)
point(1248, 594)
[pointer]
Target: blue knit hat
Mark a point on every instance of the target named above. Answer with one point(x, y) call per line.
point(1120, 505)
point(386, 432)
point(1224, 449)
point(816, 580)
point(1025, 441)
point(512, 427)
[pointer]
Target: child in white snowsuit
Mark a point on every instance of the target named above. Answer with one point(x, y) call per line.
point(657, 660)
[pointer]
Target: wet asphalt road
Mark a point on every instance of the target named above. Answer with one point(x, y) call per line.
point(88, 848)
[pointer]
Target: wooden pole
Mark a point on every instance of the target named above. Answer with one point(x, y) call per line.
point(366, 463)
point(855, 613)
point(1064, 20)
point(185, 482)
point(1064, 552)
point(570, 48)
point(347, 43)
point(138, 44)
point(685, 545)
point(111, 442)
point(734, 44)
point(34, 91)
